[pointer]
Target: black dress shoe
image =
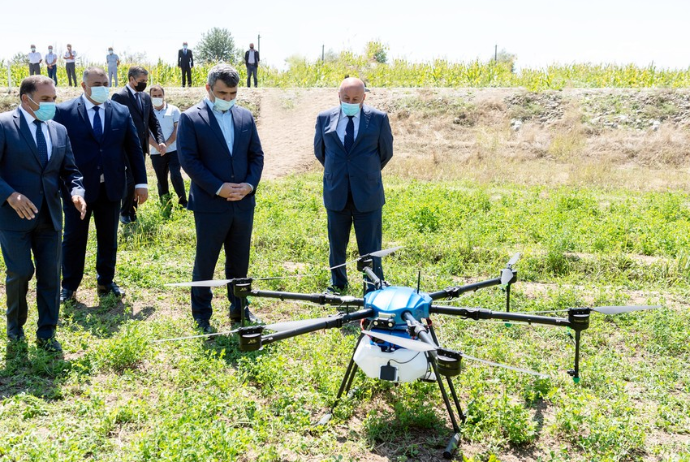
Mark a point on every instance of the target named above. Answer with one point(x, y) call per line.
point(66, 294)
point(16, 336)
point(336, 290)
point(125, 219)
point(111, 288)
point(49, 344)
point(248, 316)
point(204, 326)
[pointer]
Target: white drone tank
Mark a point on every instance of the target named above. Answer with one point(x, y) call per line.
point(409, 365)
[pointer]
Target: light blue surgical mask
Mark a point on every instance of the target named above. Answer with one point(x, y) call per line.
point(221, 104)
point(184, 47)
point(45, 111)
point(100, 94)
point(349, 109)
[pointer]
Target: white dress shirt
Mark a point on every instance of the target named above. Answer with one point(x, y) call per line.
point(34, 57)
point(66, 57)
point(44, 128)
point(342, 124)
point(88, 105)
point(251, 58)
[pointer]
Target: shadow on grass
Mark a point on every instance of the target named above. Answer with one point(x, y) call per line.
point(30, 370)
point(103, 320)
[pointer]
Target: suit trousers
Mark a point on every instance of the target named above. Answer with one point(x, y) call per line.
point(106, 217)
point(164, 164)
point(186, 76)
point(52, 73)
point(35, 69)
point(368, 231)
point(17, 246)
point(232, 230)
point(251, 71)
point(71, 73)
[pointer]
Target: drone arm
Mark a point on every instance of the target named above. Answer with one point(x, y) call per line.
point(321, 299)
point(453, 292)
point(477, 314)
point(335, 322)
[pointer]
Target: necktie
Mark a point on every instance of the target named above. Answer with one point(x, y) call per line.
point(41, 144)
point(97, 124)
point(349, 133)
point(138, 98)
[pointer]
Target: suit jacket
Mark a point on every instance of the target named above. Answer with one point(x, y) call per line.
point(185, 61)
point(205, 157)
point(119, 146)
point(246, 57)
point(21, 171)
point(360, 170)
point(144, 120)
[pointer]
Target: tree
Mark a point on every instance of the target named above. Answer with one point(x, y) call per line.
point(20, 58)
point(377, 51)
point(217, 45)
point(504, 57)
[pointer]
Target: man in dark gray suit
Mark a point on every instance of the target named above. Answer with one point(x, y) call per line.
point(219, 148)
point(353, 142)
point(35, 159)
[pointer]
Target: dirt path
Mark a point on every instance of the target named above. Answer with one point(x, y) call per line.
point(286, 128)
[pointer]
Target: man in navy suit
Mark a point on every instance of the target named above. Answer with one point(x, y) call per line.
point(185, 61)
point(35, 159)
point(140, 107)
point(219, 148)
point(104, 141)
point(353, 142)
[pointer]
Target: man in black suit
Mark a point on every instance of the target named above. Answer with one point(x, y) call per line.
point(35, 159)
point(185, 61)
point(105, 141)
point(219, 148)
point(251, 60)
point(141, 108)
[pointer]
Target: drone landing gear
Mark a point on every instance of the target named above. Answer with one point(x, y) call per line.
point(345, 385)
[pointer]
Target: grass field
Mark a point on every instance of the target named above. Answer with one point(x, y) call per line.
point(116, 395)
point(600, 220)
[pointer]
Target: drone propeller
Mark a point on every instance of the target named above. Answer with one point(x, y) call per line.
point(504, 366)
point(610, 310)
point(507, 273)
point(378, 253)
point(623, 309)
point(410, 344)
point(416, 345)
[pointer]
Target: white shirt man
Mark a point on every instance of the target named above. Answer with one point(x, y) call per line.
point(35, 60)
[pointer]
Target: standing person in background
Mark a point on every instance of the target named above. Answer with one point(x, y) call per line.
point(185, 61)
point(220, 150)
point(35, 61)
point(70, 66)
point(140, 107)
point(51, 64)
point(251, 60)
point(105, 141)
point(113, 61)
point(35, 159)
point(166, 161)
point(353, 142)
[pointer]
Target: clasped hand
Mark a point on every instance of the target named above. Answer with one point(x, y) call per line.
point(234, 191)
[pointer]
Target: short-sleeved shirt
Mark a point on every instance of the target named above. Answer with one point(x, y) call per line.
point(34, 57)
point(51, 58)
point(111, 60)
point(168, 116)
point(66, 57)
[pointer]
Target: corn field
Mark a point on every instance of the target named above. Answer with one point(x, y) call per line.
point(399, 73)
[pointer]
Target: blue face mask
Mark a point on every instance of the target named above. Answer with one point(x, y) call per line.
point(221, 104)
point(349, 109)
point(45, 111)
point(100, 94)
point(184, 47)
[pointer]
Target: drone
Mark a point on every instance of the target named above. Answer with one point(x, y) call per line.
point(398, 342)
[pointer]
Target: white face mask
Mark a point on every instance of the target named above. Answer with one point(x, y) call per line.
point(157, 102)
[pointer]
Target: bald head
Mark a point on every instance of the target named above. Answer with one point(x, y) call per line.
point(352, 91)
